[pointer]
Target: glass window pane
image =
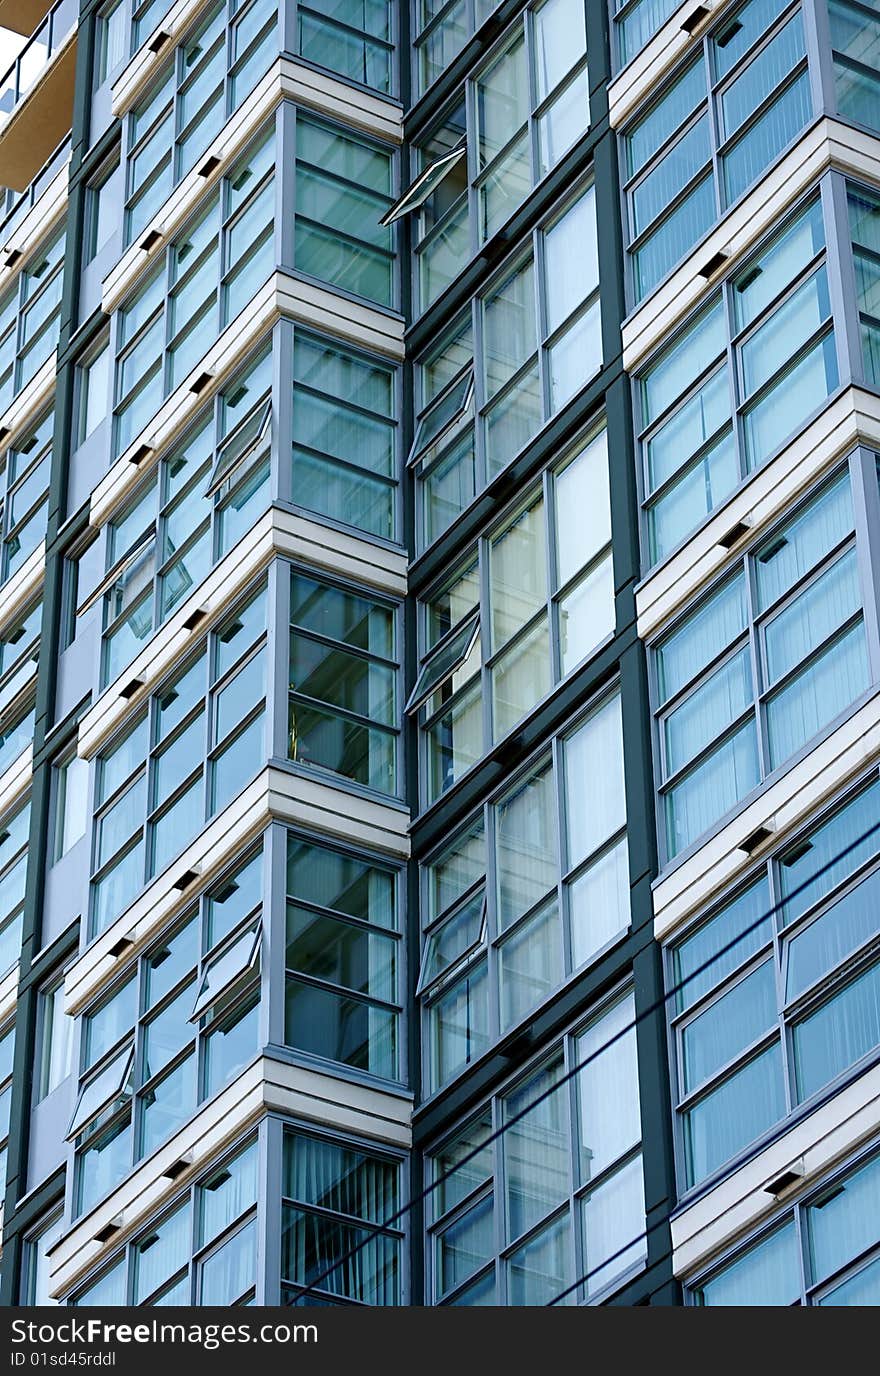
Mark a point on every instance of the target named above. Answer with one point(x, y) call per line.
point(609, 1119)
point(842, 1222)
point(734, 1114)
point(594, 751)
point(768, 1274)
point(535, 1148)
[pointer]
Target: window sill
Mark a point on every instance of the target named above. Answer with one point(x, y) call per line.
point(704, 1223)
point(782, 802)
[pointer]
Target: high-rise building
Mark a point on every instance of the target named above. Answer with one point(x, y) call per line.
point(440, 652)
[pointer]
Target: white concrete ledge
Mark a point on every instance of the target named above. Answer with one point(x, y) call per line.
point(26, 406)
point(852, 416)
point(637, 83)
point(281, 295)
point(20, 589)
point(267, 1085)
point(15, 780)
point(43, 216)
point(277, 532)
point(825, 143)
point(290, 796)
point(783, 806)
point(8, 994)
point(740, 1202)
point(287, 79)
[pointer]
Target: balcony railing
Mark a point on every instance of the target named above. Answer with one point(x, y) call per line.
point(34, 57)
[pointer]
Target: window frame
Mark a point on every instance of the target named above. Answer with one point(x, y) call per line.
point(796, 1213)
point(236, 998)
point(790, 1010)
point(495, 1185)
point(541, 490)
point(486, 952)
point(859, 472)
point(468, 326)
point(709, 107)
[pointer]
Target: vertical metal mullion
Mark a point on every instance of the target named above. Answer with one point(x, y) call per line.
point(531, 87)
point(733, 387)
point(499, 1212)
point(270, 1177)
point(481, 464)
point(278, 636)
point(486, 646)
point(756, 665)
point(548, 488)
point(842, 279)
point(773, 889)
point(272, 979)
point(538, 270)
point(493, 925)
point(569, 1060)
point(817, 42)
point(282, 424)
point(556, 765)
point(803, 1251)
point(714, 133)
point(472, 153)
point(866, 507)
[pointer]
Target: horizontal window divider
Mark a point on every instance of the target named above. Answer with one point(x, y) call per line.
point(680, 401)
point(855, 619)
point(237, 730)
point(658, 493)
point(784, 85)
point(507, 387)
point(790, 289)
point(790, 595)
point(604, 848)
point(829, 984)
point(825, 902)
point(167, 803)
point(693, 117)
point(453, 973)
point(229, 674)
point(671, 782)
point(362, 924)
point(186, 1053)
point(628, 1155)
point(348, 465)
point(490, 169)
point(439, 227)
point(336, 1215)
point(639, 240)
point(722, 656)
point(749, 963)
point(342, 990)
point(503, 934)
point(452, 701)
point(822, 331)
point(770, 1037)
point(757, 45)
point(479, 1192)
point(577, 313)
point(552, 1216)
point(368, 656)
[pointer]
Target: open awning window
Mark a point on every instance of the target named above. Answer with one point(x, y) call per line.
point(227, 967)
point(240, 446)
point(454, 941)
point(423, 185)
point(113, 1082)
point(444, 662)
point(444, 414)
point(124, 568)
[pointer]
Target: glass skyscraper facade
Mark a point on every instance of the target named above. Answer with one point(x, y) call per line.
point(440, 653)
